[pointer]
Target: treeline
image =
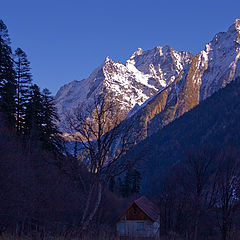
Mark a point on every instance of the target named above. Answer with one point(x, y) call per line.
point(200, 195)
point(127, 186)
point(33, 190)
point(45, 191)
point(27, 109)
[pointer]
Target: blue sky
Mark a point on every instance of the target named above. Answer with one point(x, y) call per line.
point(66, 39)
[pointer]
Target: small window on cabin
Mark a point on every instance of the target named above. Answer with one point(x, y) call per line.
point(134, 210)
point(140, 226)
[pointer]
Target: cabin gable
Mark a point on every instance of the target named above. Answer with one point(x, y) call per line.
point(135, 213)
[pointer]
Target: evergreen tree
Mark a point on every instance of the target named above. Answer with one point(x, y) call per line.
point(40, 119)
point(130, 183)
point(135, 179)
point(126, 186)
point(49, 130)
point(33, 117)
point(23, 82)
point(7, 76)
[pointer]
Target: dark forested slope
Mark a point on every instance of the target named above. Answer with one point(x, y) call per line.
point(214, 122)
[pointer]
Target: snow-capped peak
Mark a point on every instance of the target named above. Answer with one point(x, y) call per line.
point(237, 24)
point(108, 59)
point(143, 75)
point(183, 79)
point(136, 53)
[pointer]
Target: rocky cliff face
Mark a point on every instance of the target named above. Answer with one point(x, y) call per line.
point(210, 70)
point(129, 85)
point(156, 86)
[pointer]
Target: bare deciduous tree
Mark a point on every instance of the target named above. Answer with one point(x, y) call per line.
point(102, 143)
point(228, 181)
point(206, 185)
point(199, 170)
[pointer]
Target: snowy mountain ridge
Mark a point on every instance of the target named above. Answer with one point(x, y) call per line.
point(161, 84)
point(210, 70)
point(143, 75)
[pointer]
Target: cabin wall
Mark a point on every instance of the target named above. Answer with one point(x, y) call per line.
point(138, 228)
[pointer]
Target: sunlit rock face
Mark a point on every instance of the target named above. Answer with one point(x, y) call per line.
point(208, 71)
point(222, 56)
point(156, 86)
point(144, 74)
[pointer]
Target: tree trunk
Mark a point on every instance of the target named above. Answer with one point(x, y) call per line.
point(196, 223)
point(196, 229)
point(87, 205)
point(97, 204)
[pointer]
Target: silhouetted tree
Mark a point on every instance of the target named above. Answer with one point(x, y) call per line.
point(34, 194)
point(49, 130)
point(23, 82)
point(131, 183)
point(228, 182)
point(7, 76)
point(103, 143)
point(200, 179)
point(40, 119)
point(189, 194)
point(34, 110)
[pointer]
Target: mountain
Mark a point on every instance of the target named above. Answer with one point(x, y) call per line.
point(129, 85)
point(213, 123)
point(210, 70)
point(156, 86)
point(175, 99)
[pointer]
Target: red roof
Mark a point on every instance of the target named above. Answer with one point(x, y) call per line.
point(148, 208)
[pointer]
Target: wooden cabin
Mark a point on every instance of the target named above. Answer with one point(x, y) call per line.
point(141, 221)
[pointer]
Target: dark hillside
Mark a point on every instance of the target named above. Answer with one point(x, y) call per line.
point(214, 122)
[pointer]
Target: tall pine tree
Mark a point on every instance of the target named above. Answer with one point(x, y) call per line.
point(23, 83)
point(40, 119)
point(130, 184)
point(7, 76)
point(49, 118)
point(33, 116)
